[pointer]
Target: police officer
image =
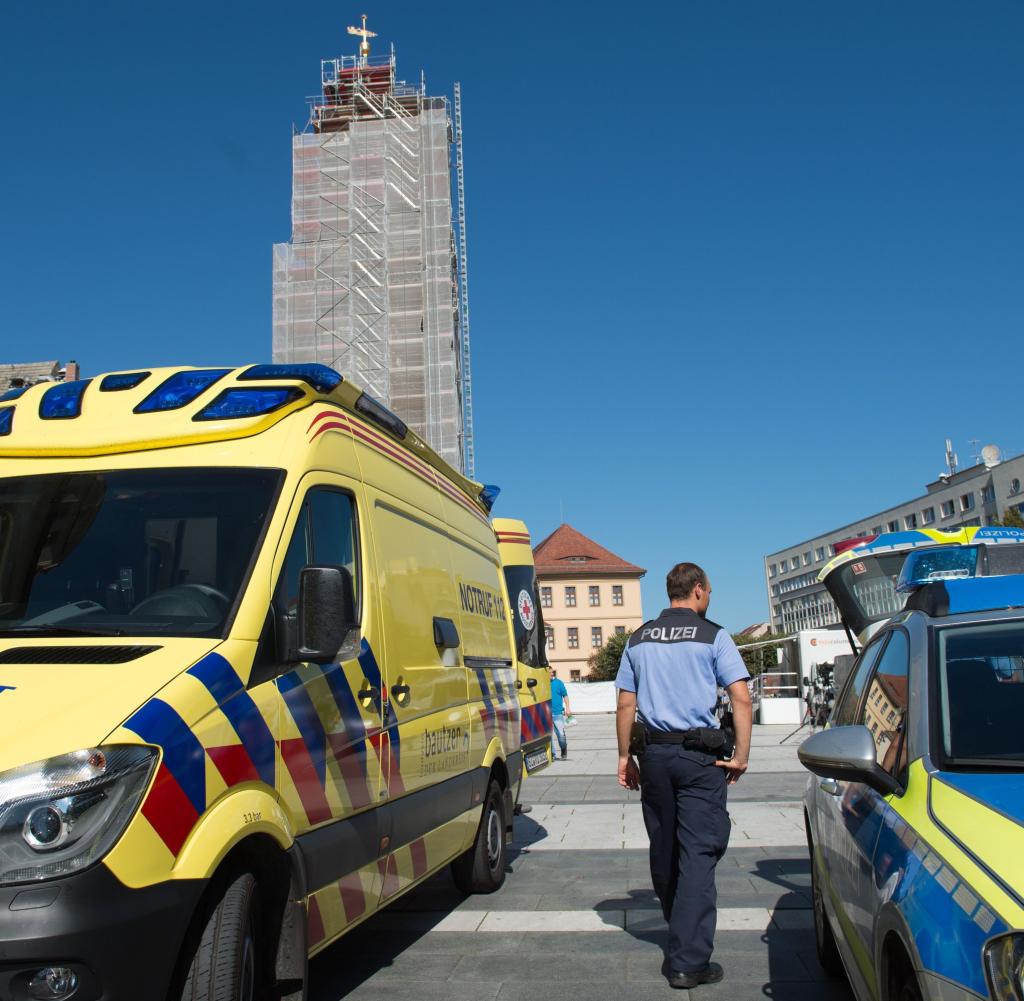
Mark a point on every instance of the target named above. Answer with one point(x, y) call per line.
point(668, 683)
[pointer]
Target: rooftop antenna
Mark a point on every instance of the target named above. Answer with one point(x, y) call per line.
point(952, 462)
point(364, 45)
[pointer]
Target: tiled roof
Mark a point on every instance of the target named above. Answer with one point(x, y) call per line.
point(566, 551)
point(31, 372)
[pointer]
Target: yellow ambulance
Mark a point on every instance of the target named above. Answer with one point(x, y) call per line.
point(257, 679)
point(533, 681)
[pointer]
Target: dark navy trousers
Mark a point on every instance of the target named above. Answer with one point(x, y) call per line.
point(684, 801)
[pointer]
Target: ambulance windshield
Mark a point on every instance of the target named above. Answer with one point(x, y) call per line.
point(129, 552)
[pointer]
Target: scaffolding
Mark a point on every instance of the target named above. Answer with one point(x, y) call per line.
point(370, 281)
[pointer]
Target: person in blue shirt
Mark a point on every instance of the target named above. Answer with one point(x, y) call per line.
point(559, 710)
point(668, 681)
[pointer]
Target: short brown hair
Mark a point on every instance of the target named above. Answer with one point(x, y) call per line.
point(682, 579)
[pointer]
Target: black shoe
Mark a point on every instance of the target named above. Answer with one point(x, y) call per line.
point(565, 754)
point(711, 974)
point(522, 808)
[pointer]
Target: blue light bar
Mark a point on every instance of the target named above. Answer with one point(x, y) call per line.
point(942, 563)
point(122, 380)
point(380, 415)
point(248, 403)
point(63, 401)
point(13, 393)
point(982, 594)
point(180, 389)
point(489, 495)
point(6, 420)
point(320, 377)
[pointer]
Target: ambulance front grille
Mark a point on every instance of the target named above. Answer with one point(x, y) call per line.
point(74, 654)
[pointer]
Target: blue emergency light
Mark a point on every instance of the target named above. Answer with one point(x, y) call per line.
point(248, 403)
point(122, 380)
point(13, 393)
point(180, 389)
point(489, 495)
point(6, 420)
point(322, 378)
point(926, 566)
point(63, 401)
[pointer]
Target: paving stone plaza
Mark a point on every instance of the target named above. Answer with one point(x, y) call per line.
point(577, 919)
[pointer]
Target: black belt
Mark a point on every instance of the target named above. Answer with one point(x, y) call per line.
point(688, 738)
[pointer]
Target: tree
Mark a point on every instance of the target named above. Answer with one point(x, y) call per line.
point(1011, 519)
point(761, 658)
point(604, 663)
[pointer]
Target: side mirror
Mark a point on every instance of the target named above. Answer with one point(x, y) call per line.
point(847, 753)
point(326, 612)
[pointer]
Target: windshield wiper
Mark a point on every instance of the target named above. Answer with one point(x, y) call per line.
point(59, 631)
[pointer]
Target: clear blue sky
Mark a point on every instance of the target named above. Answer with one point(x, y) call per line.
point(737, 268)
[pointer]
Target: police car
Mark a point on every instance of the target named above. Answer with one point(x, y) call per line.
point(915, 809)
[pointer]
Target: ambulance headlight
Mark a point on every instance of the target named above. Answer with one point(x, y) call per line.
point(1004, 965)
point(61, 815)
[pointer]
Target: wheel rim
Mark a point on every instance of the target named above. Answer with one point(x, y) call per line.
point(247, 980)
point(493, 838)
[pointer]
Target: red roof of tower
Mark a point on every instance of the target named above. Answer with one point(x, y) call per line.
point(566, 551)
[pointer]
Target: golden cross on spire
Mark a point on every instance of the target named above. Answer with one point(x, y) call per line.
point(364, 45)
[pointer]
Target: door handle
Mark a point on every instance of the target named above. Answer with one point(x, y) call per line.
point(531, 682)
point(368, 693)
point(400, 692)
point(831, 786)
point(519, 684)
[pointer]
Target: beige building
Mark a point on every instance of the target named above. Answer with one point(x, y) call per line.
point(587, 594)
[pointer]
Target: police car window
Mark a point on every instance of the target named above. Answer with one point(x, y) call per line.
point(885, 704)
point(845, 713)
point(981, 693)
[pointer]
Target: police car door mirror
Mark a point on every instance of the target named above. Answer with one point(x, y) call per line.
point(847, 753)
point(326, 612)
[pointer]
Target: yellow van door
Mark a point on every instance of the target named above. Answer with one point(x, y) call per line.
point(427, 722)
point(331, 778)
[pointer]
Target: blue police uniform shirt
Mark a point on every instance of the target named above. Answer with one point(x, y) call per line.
point(675, 664)
point(558, 692)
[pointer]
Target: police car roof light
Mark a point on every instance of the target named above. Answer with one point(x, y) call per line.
point(63, 400)
point(979, 594)
point(122, 380)
point(6, 420)
point(489, 495)
point(180, 389)
point(926, 566)
point(13, 393)
point(248, 402)
point(381, 416)
point(322, 378)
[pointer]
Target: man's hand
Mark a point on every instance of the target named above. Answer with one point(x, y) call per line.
point(629, 773)
point(734, 769)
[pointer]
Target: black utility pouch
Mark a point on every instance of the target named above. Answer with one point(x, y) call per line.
point(637, 739)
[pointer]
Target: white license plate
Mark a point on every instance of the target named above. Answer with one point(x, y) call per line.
point(536, 759)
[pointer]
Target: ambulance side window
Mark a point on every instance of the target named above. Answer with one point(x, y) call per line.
point(325, 535)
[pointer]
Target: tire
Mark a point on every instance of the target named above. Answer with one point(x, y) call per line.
point(482, 868)
point(824, 939)
point(225, 964)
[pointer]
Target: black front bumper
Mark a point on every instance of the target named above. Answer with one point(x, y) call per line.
point(123, 943)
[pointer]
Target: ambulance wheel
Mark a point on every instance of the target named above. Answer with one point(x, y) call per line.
point(482, 868)
point(225, 965)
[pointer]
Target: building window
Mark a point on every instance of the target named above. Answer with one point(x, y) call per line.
point(775, 590)
point(1014, 486)
point(596, 636)
point(967, 502)
point(783, 566)
point(910, 521)
point(988, 495)
point(620, 630)
point(593, 595)
point(947, 509)
point(807, 558)
point(928, 516)
point(545, 597)
point(549, 632)
point(819, 553)
point(574, 675)
point(574, 638)
point(616, 594)
point(570, 597)
point(894, 526)
point(773, 570)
